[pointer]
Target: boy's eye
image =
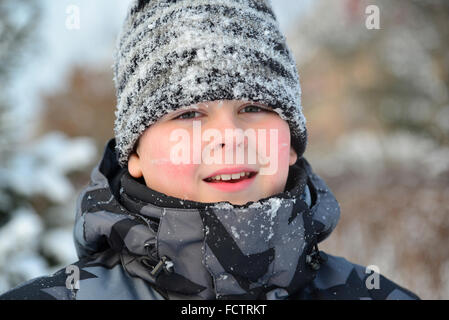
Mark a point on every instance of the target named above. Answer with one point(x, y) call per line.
point(188, 115)
point(252, 108)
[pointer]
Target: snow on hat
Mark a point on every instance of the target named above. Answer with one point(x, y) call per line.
point(176, 53)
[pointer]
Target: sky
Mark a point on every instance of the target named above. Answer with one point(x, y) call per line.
point(60, 47)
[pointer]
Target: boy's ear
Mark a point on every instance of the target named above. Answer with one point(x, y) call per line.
point(134, 166)
point(293, 156)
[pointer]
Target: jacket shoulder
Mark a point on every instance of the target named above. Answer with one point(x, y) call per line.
point(51, 287)
point(339, 278)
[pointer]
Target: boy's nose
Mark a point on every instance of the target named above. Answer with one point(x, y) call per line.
point(224, 122)
point(230, 144)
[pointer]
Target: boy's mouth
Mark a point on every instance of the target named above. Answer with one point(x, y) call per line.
point(231, 180)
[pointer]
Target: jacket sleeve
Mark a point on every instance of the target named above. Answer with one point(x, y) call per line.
point(340, 279)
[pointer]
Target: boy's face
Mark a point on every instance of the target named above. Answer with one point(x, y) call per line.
point(196, 153)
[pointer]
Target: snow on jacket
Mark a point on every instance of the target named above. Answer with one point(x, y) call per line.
point(136, 243)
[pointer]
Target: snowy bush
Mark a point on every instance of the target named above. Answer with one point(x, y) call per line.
point(39, 169)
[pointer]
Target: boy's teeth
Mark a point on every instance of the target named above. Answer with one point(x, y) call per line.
point(227, 177)
point(236, 176)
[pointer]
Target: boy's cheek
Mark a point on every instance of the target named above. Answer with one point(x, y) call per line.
point(176, 180)
point(158, 157)
point(278, 142)
point(162, 163)
point(178, 172)
point(284, 143)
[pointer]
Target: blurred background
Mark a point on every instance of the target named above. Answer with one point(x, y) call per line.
point(375, 95)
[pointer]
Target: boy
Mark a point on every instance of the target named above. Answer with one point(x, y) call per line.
point(204, 193)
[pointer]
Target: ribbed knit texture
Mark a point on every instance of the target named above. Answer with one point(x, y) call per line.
point(173, 54)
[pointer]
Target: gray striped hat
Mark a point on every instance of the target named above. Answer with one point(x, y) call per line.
point(175, 53)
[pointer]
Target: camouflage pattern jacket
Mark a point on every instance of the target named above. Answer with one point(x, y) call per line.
point(136, 243)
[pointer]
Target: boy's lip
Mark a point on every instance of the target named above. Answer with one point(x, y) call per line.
point(232, 186)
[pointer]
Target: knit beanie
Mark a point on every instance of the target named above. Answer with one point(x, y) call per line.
point(176, 53)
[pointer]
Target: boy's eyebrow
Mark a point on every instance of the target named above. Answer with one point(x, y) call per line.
point(256, 103)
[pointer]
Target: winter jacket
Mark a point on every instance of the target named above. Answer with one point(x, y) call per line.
point(136, 243)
